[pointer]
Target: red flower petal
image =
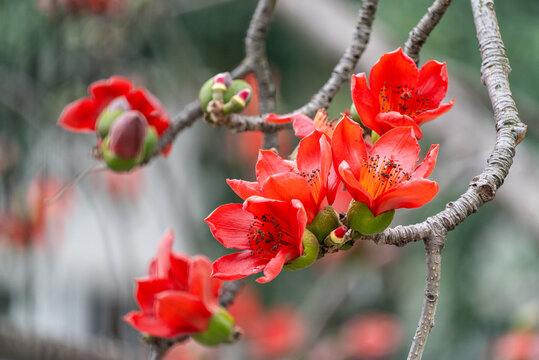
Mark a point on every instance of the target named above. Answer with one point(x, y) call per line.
point(80, 115)
point(314, 153)
point(366, 102)
point(432, 82)
point(230, 224)
point(348, 144)
point(409, 194)
point(182, 311)
point(236, 266)
point(150, 325)
point(401, 144)
point(163, 254)
point(274, 267)
point(288, 186)
point(429, 115)
point(393, 119)
point(244, 189)
point(104, 91)
point(200, 283)
point(353, 185)
point(286, 118)
point(143, 101)
point(425, 168)
point(303, 126)
point(145, 292)
point(269, 163)
point(394, 68)
point(179, 270)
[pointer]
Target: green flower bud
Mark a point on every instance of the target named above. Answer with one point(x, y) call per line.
point(353, 114)
point(238, 102)
point(325, 222)
point(150, 142)
point(374, 136)
point(115, 162)
point(220, 330)
point(111, 113)
point(361, 219)
point(310, 253)
point(208, 91)
point(336, 237)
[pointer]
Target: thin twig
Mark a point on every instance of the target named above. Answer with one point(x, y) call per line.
point(433, 249)
point(255, 49)
point(421, 31)
point(344, 68)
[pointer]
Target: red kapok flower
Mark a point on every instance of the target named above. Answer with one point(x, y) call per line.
point(305, 179)
point(386, 177)
point(178, 297)
point(269, 231)
point(81, 115)
point(399, 94)
point(371, 336)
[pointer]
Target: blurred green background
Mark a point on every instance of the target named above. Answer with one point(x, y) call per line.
point(78, 283)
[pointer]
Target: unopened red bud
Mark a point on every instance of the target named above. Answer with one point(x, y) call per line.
point(244, 94)
point(223, 78)
point(336, 237)
point(127, 134)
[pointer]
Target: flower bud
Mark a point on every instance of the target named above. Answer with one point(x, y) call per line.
point(207, 94)
point(238, 102)
point(336, 237)
point(222, 81)
point(353, 114)
point(310, 252)
point(361, 219)
point(127, 134)
point(325, 221)
point(220, 330)
point(150, 142)
point(111, 113)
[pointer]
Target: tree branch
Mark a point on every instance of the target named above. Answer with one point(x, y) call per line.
point(421, 31)
point(433, 251)
point(343, 70)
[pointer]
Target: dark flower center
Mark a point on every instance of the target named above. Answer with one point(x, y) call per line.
point(402, 99)
point(266, 236)
point(379, 175)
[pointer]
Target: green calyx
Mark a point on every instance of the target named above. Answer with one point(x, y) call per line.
point(325, 222)
point(150, 142)
point(220, 330)
point(115, 162)
point(353, 114)
point(208, 94)
point(310, 252)
point(105, 120)
point(361, 219)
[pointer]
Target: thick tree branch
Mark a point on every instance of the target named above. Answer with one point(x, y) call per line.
point(433, 251)
point(421, 32)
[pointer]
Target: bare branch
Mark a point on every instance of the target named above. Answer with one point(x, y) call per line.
point(344, 68)
point(421, 31)
point(433, 248)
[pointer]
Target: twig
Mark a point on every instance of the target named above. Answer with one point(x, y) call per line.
point(433, 249)
point(421, 31)
point(344, 68)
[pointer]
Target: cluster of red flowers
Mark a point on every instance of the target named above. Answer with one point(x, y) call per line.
point(335, 163)
point(295, 206)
